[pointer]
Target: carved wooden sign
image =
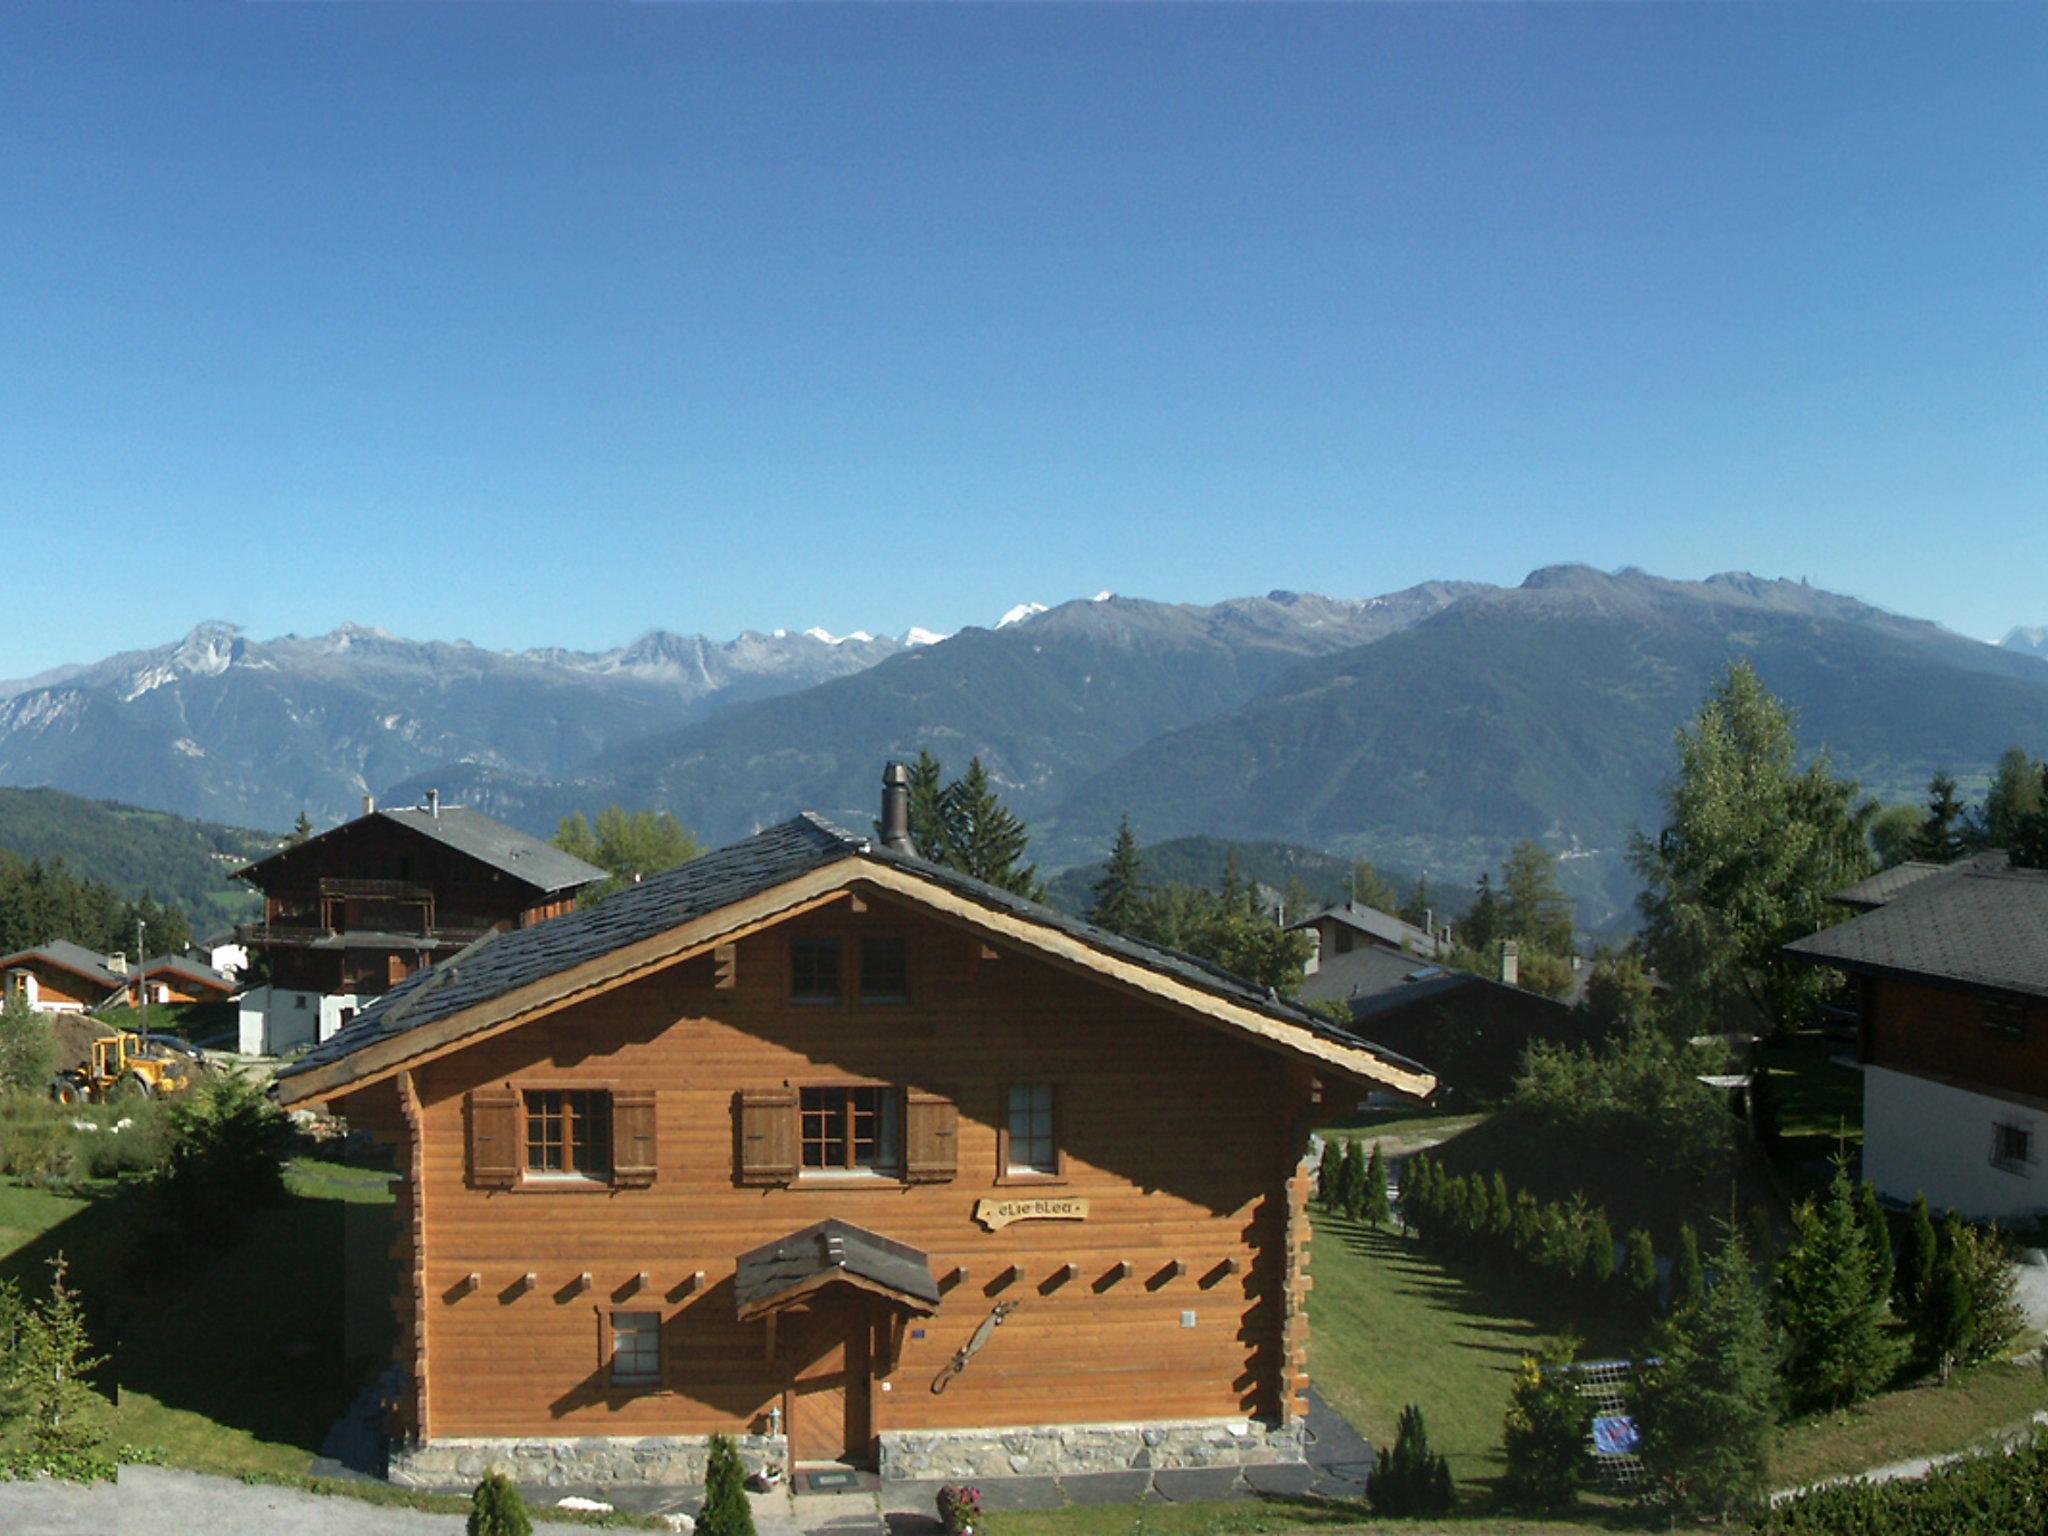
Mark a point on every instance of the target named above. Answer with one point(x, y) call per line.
point(997, 1214)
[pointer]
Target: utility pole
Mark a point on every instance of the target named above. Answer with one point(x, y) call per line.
point(142, 980)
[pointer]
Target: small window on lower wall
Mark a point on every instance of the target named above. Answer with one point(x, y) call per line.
point(636, 1349)
point(2012, 1147)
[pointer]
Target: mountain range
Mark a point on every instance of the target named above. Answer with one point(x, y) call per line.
point(1427, 729)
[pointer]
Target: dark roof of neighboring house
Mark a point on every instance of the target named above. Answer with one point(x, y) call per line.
point(825, 1249)
point(1972, 924)
point(502, 962)
point(1376, 983)
point(527, 859)
point(1375, 924)
point(75, 958)
point(181, 965)
point(1875, 890)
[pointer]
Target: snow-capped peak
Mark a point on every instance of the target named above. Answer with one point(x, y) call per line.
point(918, 635)
point(826, 637)
point(1019, 614)
point(1103, 596)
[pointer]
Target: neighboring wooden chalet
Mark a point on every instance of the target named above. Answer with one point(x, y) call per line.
point(1348, 926)
point(175, 979)
point(1470, 1029)
point(61, 977)
point(1951, 974)
point(350, 914)
point(814, 1143)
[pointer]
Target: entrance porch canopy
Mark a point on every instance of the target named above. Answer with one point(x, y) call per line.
point(792, 1269)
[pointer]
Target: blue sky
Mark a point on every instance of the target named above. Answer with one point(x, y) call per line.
point(540, 325)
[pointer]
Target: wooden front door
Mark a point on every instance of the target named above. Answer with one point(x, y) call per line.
point(828, 1383)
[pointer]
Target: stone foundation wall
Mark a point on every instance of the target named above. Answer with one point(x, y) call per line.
point(1062, 1449)
point(667, 1461)
point(677, 1461)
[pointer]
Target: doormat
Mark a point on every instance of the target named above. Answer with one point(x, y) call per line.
point(833, 1480)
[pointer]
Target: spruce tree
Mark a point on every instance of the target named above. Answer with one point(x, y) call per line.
point(984, 838)
point(49, 1373)
point(1688, 1277)
point(1833, 1305)
point(1500, 1217)
point(1915, 1270)
point(726, 1511)
point(1353, 1181)
point(1877, 1237)
point(1526, 1232)
point(1944, 1322)
point(1376, 1208)
point(1639, 1274)
point(1409, 1478)
point(1941, 839)
point(1119, 896)
point(1705, 1412)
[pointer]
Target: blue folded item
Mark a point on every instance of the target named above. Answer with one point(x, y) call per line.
point(1614, 1434)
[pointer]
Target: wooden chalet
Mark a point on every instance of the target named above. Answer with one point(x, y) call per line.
point(61, 977)
point(175, 979)
point(1949, 966)
point(357, 909)
point(817, 1144)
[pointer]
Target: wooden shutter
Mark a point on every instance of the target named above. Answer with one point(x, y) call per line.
point(768, 1136)
point(494, 1138)
point(931, 1126)
point(633, 1161)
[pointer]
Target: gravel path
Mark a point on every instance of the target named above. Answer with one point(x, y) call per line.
point(158, 1501)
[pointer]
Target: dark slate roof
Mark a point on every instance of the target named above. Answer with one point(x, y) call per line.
point(502, 962)
point(1384, 927)
point(1971, 924)
point(541, 865)
point(827, 1247)
point(1875, 890)
point(193, 970)
point(71, 957)
point(506, 849)
point(1366, 971)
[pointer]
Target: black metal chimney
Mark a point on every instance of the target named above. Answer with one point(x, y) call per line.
point(896, 808)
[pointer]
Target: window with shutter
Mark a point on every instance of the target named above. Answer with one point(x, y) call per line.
point(930, 1138)
point(633, 1156)
point(768, 1136)
point(494, 1151)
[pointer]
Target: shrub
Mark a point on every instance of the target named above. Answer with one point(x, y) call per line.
point(27, 1052)
point(1410, 1479)
point(1915, 1270)
point(1688, 1275)
point(1638, 1099)
point(496, 1509)
point(1599, 1265)
point(1546, 1432)
point(1376, 1208)
point(1877, 1238)
point(36, 1140)
point(1990, 1495)
point(1639, 1274)
point(1986, 1270)
point(726, 1511)
point(1326, 1174)
point(960, 1509)
point(228, 1146)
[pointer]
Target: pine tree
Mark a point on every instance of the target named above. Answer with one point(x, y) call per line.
point(1833, 1305)
point(1479, 929)
point(1416, 908)
point(301, 830)
point(496, 1509)
point(1500, 1217)
point(1527, 1231)
point(726, 1511)
point(1705, 1412)
point(984, 839)
point(1536, 909)
point(1941, 839)
point(1639, 1273)
point(1688, 1277)
point(1377, 1210)
point(1369, 888)
point(1915, 1270)
point(1353, 1179)
point(1119, 896)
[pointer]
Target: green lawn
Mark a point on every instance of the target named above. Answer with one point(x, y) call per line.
point(1247, 1517)
point(1820, 1102)
point(1389, 1325)
point(233, 1360)
point(1923, 1420)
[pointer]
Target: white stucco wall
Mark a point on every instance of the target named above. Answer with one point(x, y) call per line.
point(1923, 1137)
point(274, 1020)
